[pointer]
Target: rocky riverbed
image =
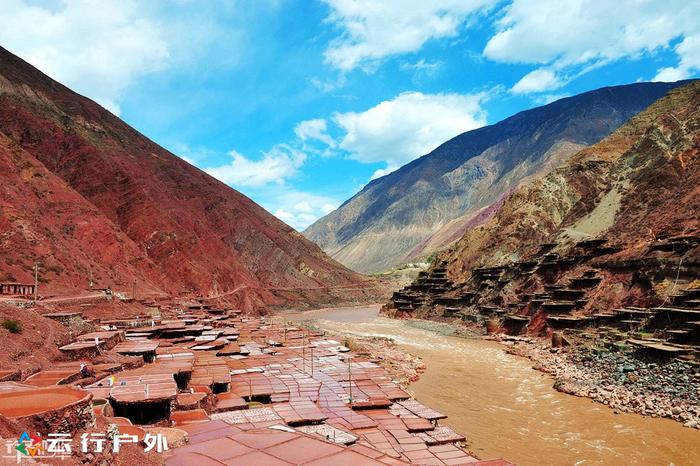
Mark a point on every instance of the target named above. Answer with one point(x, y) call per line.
point(621, 379)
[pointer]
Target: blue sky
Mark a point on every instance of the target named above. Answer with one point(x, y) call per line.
point(298, 104)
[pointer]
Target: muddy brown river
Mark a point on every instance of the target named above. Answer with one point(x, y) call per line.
point(506, 409)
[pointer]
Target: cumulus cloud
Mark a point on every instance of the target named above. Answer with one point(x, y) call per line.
point(410, 125)
point(275, 166)
point(671, 74)
point(382, 172)
point(580, 35)
point(298, 209)
point(542, 79)
point(314, 130)
point(689, 52)
point(373, 30)
point(392, 132)
point(266, 180)
point(96, 48)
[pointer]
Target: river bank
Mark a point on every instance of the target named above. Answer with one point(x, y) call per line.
point(616, 377)
point(506, 408)
point(622, 380)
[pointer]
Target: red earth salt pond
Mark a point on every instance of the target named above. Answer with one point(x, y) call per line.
point(27, 402)
point(506, 409)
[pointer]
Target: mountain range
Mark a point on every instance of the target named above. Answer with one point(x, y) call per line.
point(626, 209)
point(428, 204)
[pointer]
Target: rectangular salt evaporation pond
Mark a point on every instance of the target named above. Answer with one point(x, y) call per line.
point(143, 399)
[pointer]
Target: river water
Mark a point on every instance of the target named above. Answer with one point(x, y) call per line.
point(506, 409)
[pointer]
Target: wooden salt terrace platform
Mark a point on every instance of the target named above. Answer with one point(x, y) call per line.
point(568, 321)
point(659, 347)
point(21, 400)
point(266, 382)
point(108, 339)
point(82, 349)
point(191, 416)
point(143, 399)
point(229, 402)
point(145, 349)
point(63, 374)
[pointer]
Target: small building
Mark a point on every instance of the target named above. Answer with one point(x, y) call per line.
point(17, 289)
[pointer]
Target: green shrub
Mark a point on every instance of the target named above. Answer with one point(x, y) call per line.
point(12, 325)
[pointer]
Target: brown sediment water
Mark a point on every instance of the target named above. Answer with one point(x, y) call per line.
point(507, 409)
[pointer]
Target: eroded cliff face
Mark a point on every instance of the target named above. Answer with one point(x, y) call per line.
point(177, 229)
point(429, 203)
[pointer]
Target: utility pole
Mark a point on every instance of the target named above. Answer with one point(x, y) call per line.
point(36, 281)
point(312, 361)
point(349, 380)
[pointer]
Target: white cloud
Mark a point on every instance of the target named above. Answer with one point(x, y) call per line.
point(671, 74)
point(576, 36)
point(329, 85)
point(298, 209)
point(394, 132)
point(276, 165)
point(265, 181)
point(423, 69)
point(382, 172)
point(541, 79)
point(410, 125)
point(96, 48)
point(314, 130)
point(284, 215)
point(373, 30)
point(689, 52)
point(544, 99)
point(421, 66)
point(327, 208)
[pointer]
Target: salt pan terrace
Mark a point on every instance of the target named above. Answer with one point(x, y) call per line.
point(249, 392)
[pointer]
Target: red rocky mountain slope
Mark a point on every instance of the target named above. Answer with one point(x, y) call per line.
point(81, 191)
